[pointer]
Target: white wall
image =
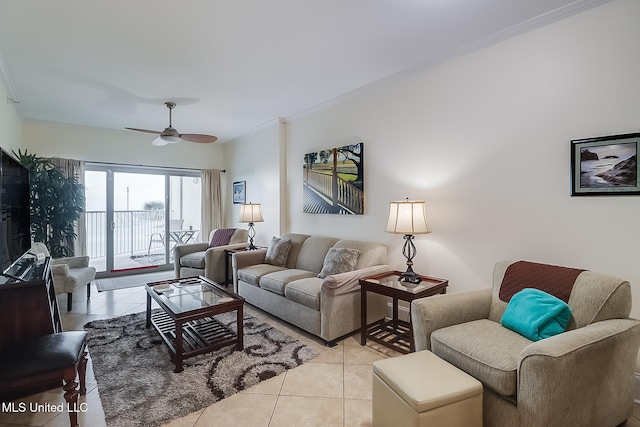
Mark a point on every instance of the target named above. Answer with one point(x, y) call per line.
point(258, 158)
point(115, 146)
point(485, 140)
point(10, 124)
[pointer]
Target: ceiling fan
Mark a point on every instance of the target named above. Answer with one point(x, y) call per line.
point(170, 135)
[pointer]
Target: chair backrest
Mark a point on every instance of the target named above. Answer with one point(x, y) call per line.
point(175, 224)
point(592, 296)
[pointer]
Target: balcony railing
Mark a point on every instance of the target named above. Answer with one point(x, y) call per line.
point(132, 231)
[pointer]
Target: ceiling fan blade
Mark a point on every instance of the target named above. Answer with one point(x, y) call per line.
point(157, 132)
point(197, 137)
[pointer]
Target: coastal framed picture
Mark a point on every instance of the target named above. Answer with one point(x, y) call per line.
point(333, 180)
point(239, 192)
point(605, 166)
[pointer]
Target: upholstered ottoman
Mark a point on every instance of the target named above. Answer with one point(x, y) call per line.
point(420, 389)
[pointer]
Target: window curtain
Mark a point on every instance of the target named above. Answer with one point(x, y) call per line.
point(211, 206)
point(70, 167)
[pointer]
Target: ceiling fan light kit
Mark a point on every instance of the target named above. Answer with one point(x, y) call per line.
point(164, 140)
point(171, 136)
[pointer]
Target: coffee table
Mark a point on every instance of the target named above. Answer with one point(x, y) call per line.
point(186, 323)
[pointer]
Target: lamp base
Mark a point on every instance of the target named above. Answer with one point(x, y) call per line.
point(410, 276)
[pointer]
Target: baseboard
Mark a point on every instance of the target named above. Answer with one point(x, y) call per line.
point(636, 396)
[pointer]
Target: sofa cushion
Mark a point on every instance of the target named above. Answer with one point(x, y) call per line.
point(483, 349)
point(278, 251)
point(339, 260)
point(253, 273)
point(305, 292)
point(193, 260)
point(278, 280)
point(312, 253)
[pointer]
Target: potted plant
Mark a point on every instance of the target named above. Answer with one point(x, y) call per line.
point(56, 203)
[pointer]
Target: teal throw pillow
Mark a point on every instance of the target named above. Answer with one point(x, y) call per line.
point(536, 314)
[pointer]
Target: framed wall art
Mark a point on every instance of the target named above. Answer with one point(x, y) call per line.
point(239, 192)
point(605, 166)
point(333, 181)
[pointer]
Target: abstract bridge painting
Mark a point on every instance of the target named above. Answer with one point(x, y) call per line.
point(333, 181)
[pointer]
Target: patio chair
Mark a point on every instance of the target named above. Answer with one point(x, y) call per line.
point(159, 237)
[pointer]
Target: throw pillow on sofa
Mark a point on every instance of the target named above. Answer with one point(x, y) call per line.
point(339, 260)
point(278, 252)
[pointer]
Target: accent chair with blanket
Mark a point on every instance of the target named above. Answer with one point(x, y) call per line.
point(208, 258)
point(511, 339)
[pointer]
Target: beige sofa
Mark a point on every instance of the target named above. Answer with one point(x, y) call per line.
point(326, 307)
point(198, 259)
point(581, 377)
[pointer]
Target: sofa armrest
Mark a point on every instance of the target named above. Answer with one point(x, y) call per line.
point(439, 311)
point(597, 364)
point(337, 284)
point(243, 259)
point(215, 259)
point(246, 258)
point(60, 270)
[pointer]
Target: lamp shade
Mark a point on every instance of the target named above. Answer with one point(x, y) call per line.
point(251, 212)
point(408, 217)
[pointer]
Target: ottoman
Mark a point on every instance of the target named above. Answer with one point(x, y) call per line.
point(420, 389)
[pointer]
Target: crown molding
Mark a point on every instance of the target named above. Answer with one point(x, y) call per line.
point(531, 24)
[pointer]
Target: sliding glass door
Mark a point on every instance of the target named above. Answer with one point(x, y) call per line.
point(135, 216)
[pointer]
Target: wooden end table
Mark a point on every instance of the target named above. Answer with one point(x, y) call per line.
point(186, 323)
point(394, 333)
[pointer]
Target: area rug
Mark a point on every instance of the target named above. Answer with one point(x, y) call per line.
point(138, 387)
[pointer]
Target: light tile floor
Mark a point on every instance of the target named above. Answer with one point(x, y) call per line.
point(334, 389)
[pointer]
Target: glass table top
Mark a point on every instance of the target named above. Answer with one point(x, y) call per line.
point(190, 294)
point(391, 281)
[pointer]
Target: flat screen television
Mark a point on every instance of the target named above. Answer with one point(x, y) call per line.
point(15, 230)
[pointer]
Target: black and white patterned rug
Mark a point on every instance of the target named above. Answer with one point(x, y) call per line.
point(138, 387)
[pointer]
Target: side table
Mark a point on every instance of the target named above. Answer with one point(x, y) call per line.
point(394, 333)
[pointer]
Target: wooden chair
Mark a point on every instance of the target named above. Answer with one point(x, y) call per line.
point(36, 364)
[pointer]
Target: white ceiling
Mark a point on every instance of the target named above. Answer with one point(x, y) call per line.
point(233, 65)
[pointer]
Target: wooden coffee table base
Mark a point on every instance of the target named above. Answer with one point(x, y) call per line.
point(198, 336)
point(186, 321)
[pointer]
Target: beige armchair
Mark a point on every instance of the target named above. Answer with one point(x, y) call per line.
point(198, 259)
point(582, 377)
point(69, 274)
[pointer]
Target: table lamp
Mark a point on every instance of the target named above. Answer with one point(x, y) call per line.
point(408, 218)
point(251, 212)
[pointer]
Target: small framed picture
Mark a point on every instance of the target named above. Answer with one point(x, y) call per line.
point(605, 166)
point(239, 192)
